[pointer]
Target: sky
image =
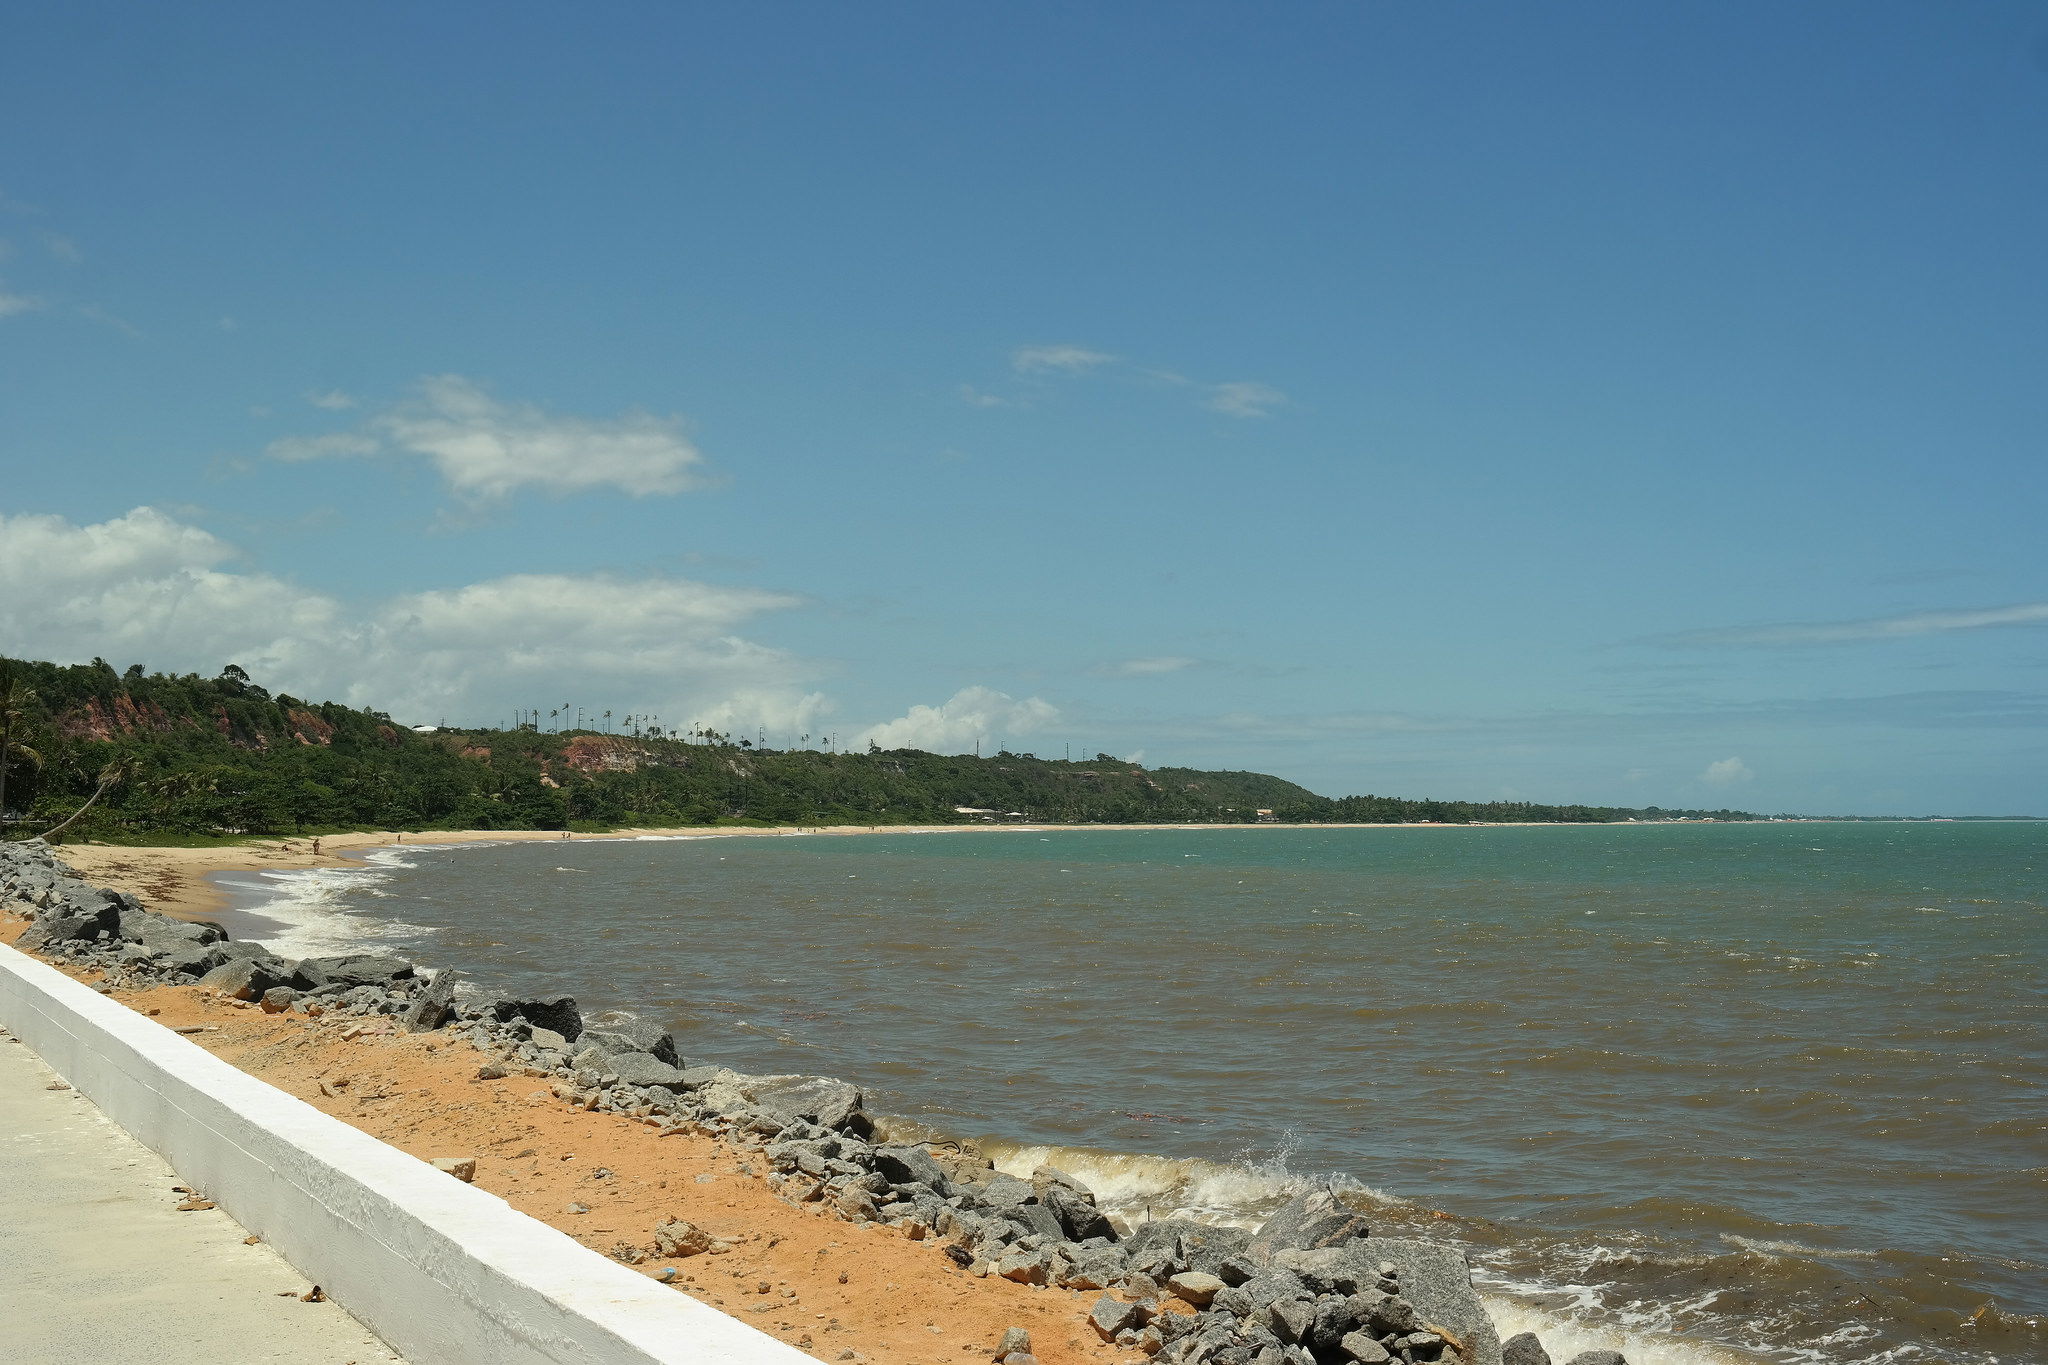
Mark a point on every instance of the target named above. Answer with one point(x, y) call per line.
point(1616, 403)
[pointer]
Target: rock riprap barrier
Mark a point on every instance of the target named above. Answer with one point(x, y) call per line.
point(1313, 1286)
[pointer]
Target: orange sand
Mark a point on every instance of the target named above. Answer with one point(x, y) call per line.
point(798, 1272)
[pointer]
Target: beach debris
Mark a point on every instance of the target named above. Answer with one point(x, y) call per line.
point(57, 1085)
point(194, 1205)
point(578, 1208)
point(251, 1240)
point(313, 1295)
point(463, 1168)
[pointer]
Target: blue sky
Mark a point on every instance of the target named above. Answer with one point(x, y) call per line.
point(1603, 402)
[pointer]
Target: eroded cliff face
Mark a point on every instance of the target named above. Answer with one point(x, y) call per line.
point(103, 720)
point(615, 754)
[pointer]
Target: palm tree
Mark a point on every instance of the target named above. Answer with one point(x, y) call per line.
point(15, 695)
point(111, 776)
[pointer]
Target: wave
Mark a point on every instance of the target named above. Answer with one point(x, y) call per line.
point(306, 912)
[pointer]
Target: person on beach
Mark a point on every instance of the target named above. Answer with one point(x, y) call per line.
point(316, 848)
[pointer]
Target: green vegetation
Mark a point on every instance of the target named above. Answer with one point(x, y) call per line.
point(153, 757)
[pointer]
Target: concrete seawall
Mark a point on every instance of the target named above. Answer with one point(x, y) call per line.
point(445, 1272)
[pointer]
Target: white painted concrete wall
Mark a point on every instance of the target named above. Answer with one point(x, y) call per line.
point(447, 1273)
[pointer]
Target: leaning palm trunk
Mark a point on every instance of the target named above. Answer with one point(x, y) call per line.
point(109, 776)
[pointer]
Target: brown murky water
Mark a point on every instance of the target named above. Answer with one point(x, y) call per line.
point(1708, 1092)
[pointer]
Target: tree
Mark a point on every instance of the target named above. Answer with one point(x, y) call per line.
point(15, 696)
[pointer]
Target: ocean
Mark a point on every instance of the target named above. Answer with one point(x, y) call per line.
point(1700, 1093)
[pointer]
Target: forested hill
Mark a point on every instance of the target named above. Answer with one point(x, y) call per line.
point(186, 755)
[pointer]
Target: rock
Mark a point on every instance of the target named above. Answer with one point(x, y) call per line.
point(634, 1035)
point(1017, 1358)
point(1024, 1267)
point(1294, 1223)
point(1014, 1339)
point(431, 1008)
point(678, 1238)
point(278, 999)
point(1076, 1212)
point(463, 1168)
point(355, 969)
point(1598, 1358)
point(642, 1068)
point(1325, 1270)
point(547, 1040)
point(190, 959)
point(45, 933)
point(1290, 1319)
point(1196, 1287)
point(1437, 1279)
point(1188, 1245)
point(1360, 1346)
point(247, 978)
point(1037, 1220)
point(818, 1099)
point(1004, 1193)
point(1109, 1316)
point(556, 1012)
point(492, 1071)
point(163, 933)
point(903, 1165)
point(1523, 1349)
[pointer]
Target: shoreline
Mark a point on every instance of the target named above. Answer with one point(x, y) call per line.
point(178, 881)
point(789, 1177)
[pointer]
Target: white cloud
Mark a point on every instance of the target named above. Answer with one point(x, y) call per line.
point(486, 448)
point(1057, 359)
point(147, 588)
point(334, 400)
point(1245, 398)
point(1726, 772)
point(322, 447)
point(975, 398)
point(1901, 627)
point(971, 715)
point(10, 304)
point(63, 248)
point(1145, 668)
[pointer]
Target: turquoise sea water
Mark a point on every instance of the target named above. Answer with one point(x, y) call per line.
point(1736, 1091)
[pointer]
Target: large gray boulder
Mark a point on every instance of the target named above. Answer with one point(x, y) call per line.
point(163, 934)
point(47, 933)
point(557, 1012)
point(644, 1068)
point(783, 1100)
point(634, 1035)
point(247, 978)
point(904, 1165)
point(1437, 1279)
point(354, 969)
point(1314, 1218)
point(1523, 1349)
point(432, 1006)
point(1076, 1213)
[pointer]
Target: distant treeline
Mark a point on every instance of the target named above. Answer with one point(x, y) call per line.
point(187, 755)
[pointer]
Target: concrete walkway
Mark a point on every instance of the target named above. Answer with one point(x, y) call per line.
point(97, 1266)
